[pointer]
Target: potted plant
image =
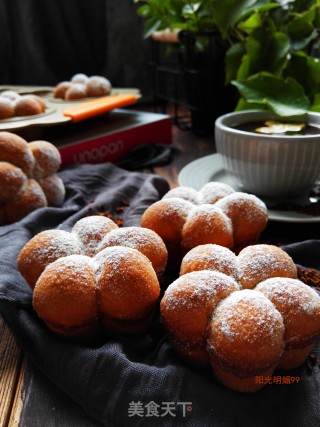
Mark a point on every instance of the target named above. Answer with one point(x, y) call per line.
point(269, 47)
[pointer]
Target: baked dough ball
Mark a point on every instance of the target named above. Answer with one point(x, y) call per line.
point(185, 193)
point(245, 339)
point(76, 91)
point(128, 290)
point(15, 150)
point(214, 191)
point(12, 180)
point(27, 106)
point(300, 307)
point(43, 249)
point(79, 78)
point(10, 94)
point(54, 190)
point(166, 218)
point(144, 240)
point(61, 89)
point(249, 216)
point(65, 297)
point(6, 108)
point(207, 224)
point(30, 198)
point(98, 86)
point(260, 262)
point(91, 230)
point(186, 308)
point(211, 257)
point(47, 158)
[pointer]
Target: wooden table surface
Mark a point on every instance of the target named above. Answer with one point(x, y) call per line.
point(27, 397)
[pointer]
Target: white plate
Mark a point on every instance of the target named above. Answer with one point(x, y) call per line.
point(210, 168)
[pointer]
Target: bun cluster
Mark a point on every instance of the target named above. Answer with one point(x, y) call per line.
point(96, 277)
point(12, 104)
point(28, 177)
point(185, 218)
point(82, 86)
point(244, 314)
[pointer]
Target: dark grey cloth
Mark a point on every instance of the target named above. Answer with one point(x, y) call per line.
point(107, 379)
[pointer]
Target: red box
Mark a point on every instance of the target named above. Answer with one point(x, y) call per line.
point(108, 138)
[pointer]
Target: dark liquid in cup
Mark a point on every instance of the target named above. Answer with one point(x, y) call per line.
point(257, 127)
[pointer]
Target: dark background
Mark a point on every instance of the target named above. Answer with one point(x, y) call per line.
point(43, 42)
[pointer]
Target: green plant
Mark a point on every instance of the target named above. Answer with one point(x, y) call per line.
point(269, 57)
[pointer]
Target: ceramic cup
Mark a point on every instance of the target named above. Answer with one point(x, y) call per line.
point(271, 166)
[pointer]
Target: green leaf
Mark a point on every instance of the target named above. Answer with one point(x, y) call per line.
point(284, 97)
point(253, 22)
point(233, 61)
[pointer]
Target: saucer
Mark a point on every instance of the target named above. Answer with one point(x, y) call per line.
point(210, 168)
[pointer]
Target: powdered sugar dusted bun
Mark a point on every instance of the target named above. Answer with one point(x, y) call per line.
point(186, 308)
point(249, 216)
point(15, 150)
point(128, 290)
point(214, 191)
point(245, 339)
point(54, 190)
point(47, 158)
point(300, 307)
point(65, 297)
point(144, 240)
point(207, 224)
point(185, 193)
point(91, 230)
point(30, 198)
point(12, 180)
point(166, 218)
point(43, 249)
point(260, 262)
point(98, 86)
point(211, 257)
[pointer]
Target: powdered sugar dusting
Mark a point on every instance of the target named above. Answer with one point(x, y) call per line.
point(252, 310)
point(214, 191)
point(251, 207)
point(292, 295)
point(185, 193)
point(55, 244)
point(211, 257)
point(198, 286)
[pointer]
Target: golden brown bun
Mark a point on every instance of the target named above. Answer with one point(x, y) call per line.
point(6, 108)
point(186, 308)
point(144, 240)
point(12, 180)
point(27, 106)
point(47, 158)
point(29, 199)
point(75, 91)
point(249, 216)
point(211, 257)
point(43, 249)
point(15, 150)
point(54, 190)
point(61, 89)
point(260, 262)
point(166, 218)
point(91, 230)
point(245, 339)
point(207, 224)
point(98, 86)
point(79, 78)
point(128, 289)
point(65, 297)
point(214, 191)
point(300, 307)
